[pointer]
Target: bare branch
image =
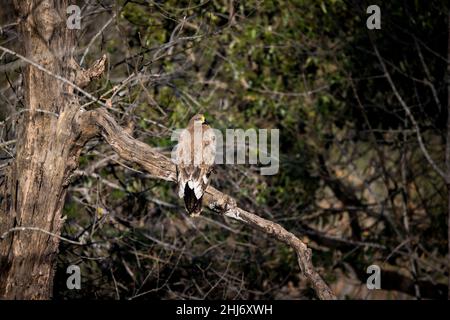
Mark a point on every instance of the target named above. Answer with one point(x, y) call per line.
point(410, 116)
point(15, 229)
point(95, 38)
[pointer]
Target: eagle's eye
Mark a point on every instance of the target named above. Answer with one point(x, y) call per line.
point(200, 119)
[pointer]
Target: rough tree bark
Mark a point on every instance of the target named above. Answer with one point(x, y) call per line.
point(44, 154)
point(52, 132)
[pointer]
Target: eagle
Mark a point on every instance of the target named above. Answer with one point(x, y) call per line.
point(195, 154)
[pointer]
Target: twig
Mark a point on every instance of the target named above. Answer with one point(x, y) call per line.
point(95, 37)
point(3, 236)
point(7, 143)
point(410, 116)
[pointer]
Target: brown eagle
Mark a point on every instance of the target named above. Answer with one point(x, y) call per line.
point(195, 155)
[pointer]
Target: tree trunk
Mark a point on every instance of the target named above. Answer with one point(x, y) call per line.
point(36, 183)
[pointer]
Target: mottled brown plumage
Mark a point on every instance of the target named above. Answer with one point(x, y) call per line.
point(195, 157)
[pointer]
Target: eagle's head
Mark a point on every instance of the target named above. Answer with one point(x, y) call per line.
point(198, 119)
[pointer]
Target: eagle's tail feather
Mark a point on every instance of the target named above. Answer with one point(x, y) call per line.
point(192, 204)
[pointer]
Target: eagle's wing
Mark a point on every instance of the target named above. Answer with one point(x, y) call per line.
point(201, 180)
point(183, 161)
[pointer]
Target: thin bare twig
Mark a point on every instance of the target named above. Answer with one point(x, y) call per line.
point(95, 37)
point(15, 229)
point(410, 116)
